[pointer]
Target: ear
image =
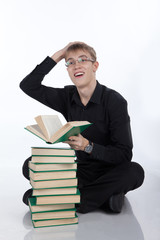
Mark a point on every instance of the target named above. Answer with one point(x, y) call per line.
point(95, 66)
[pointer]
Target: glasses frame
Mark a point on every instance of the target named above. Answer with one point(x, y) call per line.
point(79, 60)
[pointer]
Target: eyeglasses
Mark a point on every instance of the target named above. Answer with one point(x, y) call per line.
point(80, 60)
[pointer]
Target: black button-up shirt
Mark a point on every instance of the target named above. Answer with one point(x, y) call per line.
point(107, 110)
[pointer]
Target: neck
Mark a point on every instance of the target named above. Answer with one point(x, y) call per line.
point(86, 92)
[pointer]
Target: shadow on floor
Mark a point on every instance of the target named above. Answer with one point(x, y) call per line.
point(94, 225)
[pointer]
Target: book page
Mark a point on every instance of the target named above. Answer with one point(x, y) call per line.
point(36, 130)
point(72, 128)
point(52, 124)
point(78, 123)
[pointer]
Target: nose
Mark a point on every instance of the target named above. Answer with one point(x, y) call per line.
point(77, 64)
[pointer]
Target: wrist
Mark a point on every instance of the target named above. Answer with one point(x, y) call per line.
point(58, 56)
point(89, 147)
point(85, 144)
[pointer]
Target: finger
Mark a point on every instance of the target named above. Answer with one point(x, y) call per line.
point(71, 143)
point(75, 147)
point(67, 142)
point(73, 138)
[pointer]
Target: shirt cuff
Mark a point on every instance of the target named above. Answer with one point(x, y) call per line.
point(46, 65)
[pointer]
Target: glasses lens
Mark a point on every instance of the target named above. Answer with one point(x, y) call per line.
point(67, 64)
point(82, 59)
point(70, 62)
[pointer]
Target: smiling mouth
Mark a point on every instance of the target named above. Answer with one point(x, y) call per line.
point(78, 75)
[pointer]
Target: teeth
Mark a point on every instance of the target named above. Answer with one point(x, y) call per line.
point(78, 74)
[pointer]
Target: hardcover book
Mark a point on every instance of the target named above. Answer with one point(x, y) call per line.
point(58, 199)
point(50, 129)
point(45, 151)
point(67, 213)
point(55, 222)
point(50, 207)
point(36, 176)
point(51, 166)
point(53, 159)
point(68, 182)
point(54, 191)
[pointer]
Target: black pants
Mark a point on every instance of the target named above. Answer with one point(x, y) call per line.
point(98, 182)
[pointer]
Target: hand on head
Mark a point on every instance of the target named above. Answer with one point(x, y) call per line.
point(59, 55)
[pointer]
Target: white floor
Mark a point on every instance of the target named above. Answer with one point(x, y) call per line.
point(140, 218)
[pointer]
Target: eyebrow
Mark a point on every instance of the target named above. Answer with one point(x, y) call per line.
point(78, 57)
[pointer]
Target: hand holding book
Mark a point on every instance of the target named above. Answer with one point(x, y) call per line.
point(77, 142)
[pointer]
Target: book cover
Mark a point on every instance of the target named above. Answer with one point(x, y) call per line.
point(45, 208)
point(50, 129)
point(58, 199)
point(52, 159)
point(54, 191)
point(68, 182)
point(74, 131)
point(67, 213)
point(55, 222)
point(52, 174)
point(45, 151)
point(51, 166)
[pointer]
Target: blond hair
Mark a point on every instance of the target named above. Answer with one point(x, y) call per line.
point(84, 47)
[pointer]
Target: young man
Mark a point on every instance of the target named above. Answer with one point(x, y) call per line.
point(104, 150)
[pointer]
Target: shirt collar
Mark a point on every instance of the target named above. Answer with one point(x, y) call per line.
point(95, 98)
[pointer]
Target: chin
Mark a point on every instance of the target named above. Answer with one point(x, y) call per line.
point(79, 81)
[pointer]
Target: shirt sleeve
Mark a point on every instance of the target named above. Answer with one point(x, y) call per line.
point(120, 144)
point(54, 98)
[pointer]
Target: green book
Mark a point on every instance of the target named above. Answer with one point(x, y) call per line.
point(50, 175)
point(48, 151)
point(50, 207)
point(53, 159)
point(67, 213)
point(51, 166)
point(55, 222)
point(58, 199)
point(50, 129)
point(55, 183)
point(54, 191)
point(55, 214)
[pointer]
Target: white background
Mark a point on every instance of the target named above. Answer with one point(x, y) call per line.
point(126, 37)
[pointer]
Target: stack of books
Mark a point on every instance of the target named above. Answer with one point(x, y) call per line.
point(53, 173)
point(53, 179)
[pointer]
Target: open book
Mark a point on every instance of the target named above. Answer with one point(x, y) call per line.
point(50, 129)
